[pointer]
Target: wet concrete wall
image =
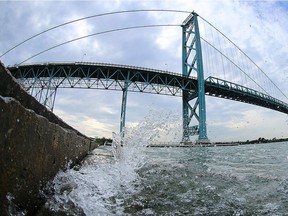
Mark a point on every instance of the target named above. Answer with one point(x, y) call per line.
point(34, 146)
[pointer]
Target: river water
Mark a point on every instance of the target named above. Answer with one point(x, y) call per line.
point(234, 180)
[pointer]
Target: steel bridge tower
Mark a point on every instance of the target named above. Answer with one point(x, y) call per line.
point(191, 62)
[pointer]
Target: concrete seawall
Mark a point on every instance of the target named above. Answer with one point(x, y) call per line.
point(34, 145)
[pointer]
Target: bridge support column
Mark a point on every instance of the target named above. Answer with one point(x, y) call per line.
point(123, 108)
point(50, 95)
point(192, 61)
point(44, 90)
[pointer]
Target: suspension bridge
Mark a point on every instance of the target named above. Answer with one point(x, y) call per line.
point(209, 68)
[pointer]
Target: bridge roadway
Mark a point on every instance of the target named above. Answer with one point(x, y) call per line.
point(119, 77)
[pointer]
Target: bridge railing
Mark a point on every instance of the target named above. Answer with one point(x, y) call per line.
point(239, 88)
point(102, 65)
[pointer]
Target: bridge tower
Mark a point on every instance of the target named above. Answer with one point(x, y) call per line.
point(191, 62)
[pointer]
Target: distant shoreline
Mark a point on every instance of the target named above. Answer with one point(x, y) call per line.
point(260, 140)
point(214, 144)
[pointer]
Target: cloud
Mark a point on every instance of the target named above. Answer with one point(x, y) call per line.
point(93, 127)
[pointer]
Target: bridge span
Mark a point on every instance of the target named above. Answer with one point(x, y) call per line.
point(43, 79)
point(50, 76)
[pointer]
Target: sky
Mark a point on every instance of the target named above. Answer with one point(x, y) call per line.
point(259, 28)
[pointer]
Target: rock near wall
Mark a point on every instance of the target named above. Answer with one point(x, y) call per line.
point(33, 147)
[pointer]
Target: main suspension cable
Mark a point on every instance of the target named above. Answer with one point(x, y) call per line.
point(98, 33)
point(90, 17)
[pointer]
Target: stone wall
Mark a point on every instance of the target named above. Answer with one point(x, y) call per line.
point(9, 87)
point(33, 147)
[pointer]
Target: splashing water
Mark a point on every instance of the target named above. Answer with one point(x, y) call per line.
point(117, 145)
point(103, 183)
point(236, 180)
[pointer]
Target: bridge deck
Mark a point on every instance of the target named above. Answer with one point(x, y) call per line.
point(224, 89)
point(114, 76)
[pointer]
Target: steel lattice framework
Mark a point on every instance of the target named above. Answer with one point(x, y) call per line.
point(224, 89)
point(100, 76)
point(192, 62)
